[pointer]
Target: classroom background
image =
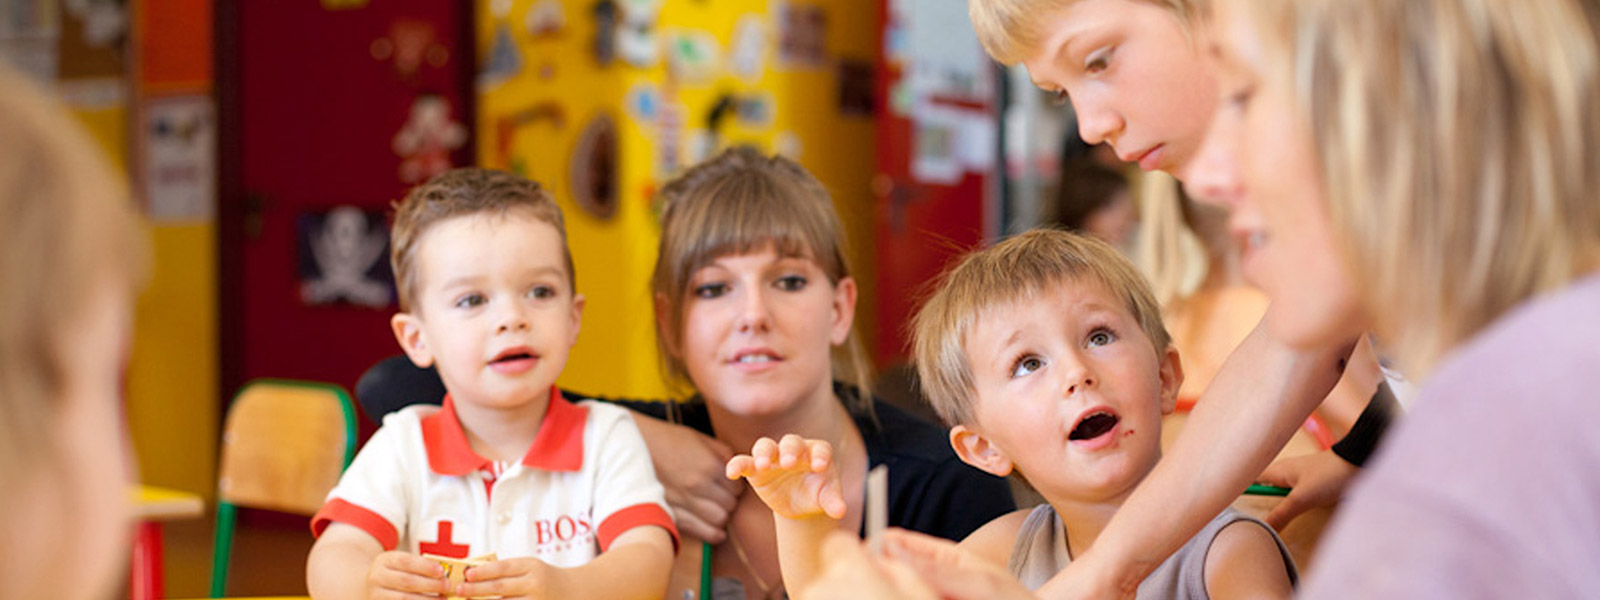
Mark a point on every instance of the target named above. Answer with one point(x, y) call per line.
point(265, 142)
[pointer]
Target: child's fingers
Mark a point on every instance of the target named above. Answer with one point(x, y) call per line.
point(821, 455)
point(765, 452)
point(403, 577)
point(406, 562)
point(742, 465)
point(831, 497)
point(791, 450)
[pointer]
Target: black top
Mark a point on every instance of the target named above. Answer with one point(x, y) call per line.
point(930, 490)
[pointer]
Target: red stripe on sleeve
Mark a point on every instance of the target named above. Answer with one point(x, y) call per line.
point(637, 515)
point(351, 514)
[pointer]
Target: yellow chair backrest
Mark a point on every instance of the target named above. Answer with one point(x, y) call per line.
point(285, 444)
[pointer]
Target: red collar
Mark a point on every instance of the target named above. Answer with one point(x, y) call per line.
point(557, 447)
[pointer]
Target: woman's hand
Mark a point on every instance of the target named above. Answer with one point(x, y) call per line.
point(690, 466)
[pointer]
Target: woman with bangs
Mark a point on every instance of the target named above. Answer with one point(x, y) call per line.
point(755, 306)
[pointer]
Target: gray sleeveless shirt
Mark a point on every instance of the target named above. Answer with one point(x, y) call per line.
point(1041, 551)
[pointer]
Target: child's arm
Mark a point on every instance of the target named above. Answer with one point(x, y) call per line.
point(1244, 563)
point(635, 566)
point(346, 563)
point(799, 481)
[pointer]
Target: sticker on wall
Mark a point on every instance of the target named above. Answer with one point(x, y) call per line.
point(669, 131)
point(935, 142)
point(747, 53)
point(92, 39)
point(179, 145)
point(428, 137)
point(604, 44)
point(636, 32)
point(855, 88)
point(508, 125)
point(339, 260)
point(504, 61)
point(546, 19)
point(755, 110)
point(693, 56)
point(408, 45)
point(642, 101)
point(592, 175)
point(802, 33)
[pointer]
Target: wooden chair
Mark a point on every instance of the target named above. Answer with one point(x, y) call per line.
point(284, 445)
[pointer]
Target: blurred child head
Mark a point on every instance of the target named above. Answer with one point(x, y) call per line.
point(73, 258)
point(1047, 350)
point(486, 285)
point(1451, 152)
point(1108, 56)
point(738, 206)
point(1095, 200)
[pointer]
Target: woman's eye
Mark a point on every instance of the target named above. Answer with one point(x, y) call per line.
point(791, 283)
point(1026, 365)
point(710, 290)
point(1241, 98)
point(470, 301)
point(1101, 337)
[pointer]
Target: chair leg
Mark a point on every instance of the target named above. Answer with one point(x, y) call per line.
point(222, 548)
point(146, 563)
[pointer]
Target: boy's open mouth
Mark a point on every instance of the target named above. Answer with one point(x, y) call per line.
point(1094, 425)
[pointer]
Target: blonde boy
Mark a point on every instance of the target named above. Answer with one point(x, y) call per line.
point(562, 493)
point(1047, 355)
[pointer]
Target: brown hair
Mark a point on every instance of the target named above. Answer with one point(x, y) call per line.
point(1459, 147)
point(70, 232)
point(460, 193)
point(1019, 268)
point(737, 202)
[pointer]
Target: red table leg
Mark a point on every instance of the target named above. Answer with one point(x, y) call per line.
point(145, 578)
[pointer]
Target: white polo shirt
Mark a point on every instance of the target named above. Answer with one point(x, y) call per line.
point(418, 486)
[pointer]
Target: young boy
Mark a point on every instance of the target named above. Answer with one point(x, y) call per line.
point(563, 494)
point(1047, 355)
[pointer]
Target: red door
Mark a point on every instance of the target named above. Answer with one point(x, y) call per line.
point(328, 108)
point(933, 201)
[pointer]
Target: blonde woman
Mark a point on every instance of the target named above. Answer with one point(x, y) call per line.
point(69, 268)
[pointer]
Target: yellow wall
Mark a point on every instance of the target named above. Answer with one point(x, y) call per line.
point(616, 352)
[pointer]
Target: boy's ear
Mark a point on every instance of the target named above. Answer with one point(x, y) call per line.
point(408, 331)
point(976, 450)
point(1171, 379)
point(844, 310)
point(577, 319)
point(668, 340)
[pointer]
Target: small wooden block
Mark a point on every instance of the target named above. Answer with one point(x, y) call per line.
point(455, 569)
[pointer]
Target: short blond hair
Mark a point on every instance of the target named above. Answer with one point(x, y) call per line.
point(70, 232)
point(1012, 29)
point(738, 202)
point(1019, 268)
point(1459, 146)
point(459, 193)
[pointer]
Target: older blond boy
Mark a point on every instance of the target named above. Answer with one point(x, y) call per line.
point(562, 493)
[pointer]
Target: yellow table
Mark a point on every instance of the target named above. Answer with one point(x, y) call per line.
point(152, 505)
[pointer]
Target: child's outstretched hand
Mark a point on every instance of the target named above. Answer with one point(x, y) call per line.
point(795, 477)
point(511, 578)
point(396, 574)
